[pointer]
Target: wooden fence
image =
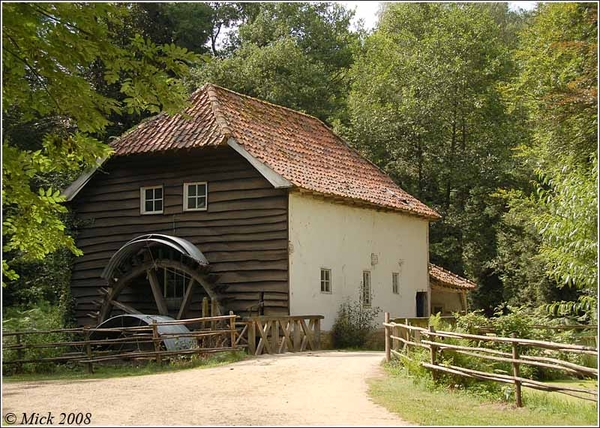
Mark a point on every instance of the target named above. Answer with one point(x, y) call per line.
point(276, 335)
point(78, 345)
point(400, 338)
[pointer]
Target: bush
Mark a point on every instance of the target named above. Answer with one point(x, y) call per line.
point(353, 324)
point(43, 316)
point(525, 323)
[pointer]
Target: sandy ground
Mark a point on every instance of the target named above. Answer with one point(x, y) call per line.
point(319, 389)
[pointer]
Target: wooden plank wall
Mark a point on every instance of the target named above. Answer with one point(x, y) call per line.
point(243, 234)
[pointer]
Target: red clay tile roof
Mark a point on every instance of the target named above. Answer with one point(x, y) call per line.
point(444, 278)
point(299, 147)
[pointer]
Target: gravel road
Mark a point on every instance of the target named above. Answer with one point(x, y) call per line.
point(316, 388)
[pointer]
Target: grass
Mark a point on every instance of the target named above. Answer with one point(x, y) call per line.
point(413, 401)
point(131, 369)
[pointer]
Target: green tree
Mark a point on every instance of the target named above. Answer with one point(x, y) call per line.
point(292, 54)
point(427, 106)
point(48, 50)
point(557, 85)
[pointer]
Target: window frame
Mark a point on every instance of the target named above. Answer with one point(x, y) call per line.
point(328, 281)
point(396, 282)
point(143, 199)
point(186, 187)
point(366, 274)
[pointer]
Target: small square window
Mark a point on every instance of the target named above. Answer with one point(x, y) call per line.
point(325, 280)
point(194, 196)
point(151, 200)
point(395, 281)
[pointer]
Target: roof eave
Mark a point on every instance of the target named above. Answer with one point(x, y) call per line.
point(276, 179)
point(75, 187)
point(336, 198)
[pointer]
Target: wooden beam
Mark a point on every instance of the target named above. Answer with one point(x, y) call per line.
point(263, 331)
point(187, 299)
point(126, 308)
point(161, 304)
point(285, 325)
point(307, 335)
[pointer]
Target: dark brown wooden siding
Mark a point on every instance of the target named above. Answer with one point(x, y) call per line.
point(243, 233)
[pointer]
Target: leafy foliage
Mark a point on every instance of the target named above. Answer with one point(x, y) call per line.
point(43, 316)
point(523, 322)
point(292, 54)
point(427, 106)
point(557, 85)
point(48, 51)
point(354, 323)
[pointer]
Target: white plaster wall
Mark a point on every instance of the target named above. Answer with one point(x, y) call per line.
point(342, 238)
point(451, 301)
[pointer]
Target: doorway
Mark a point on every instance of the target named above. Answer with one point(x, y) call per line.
point(422, 304)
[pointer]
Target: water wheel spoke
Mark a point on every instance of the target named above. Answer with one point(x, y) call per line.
point(187, 299)
point(125, 308)
point(153, 264)
point(161, 303)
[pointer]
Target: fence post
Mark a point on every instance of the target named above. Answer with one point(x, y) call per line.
point(252, 337)
point(317, 333)
point(233, 331)
point(407, 336)
point(214, 311)
point(204, 310)
point(88, 349)
point(433, 349)
point(156, 340)
point(386, 329)
point(515, 355)
point(19, 353)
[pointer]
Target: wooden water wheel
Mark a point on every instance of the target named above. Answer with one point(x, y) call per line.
point(155, 265)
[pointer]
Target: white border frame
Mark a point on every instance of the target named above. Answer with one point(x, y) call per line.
point(143, 200)
point(185, 196)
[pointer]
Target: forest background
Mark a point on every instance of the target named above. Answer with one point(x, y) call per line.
point(486, 114)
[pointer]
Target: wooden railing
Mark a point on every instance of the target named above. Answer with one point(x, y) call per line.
point(401, 338)
point(216, 334)
point(277, 335)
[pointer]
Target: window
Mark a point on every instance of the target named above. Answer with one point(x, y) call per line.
point(325, 280)
point(395, 279)
point(194, 196)
point(366, 288)
point(151, 200)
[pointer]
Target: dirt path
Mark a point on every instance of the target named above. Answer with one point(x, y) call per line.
point(321, 388)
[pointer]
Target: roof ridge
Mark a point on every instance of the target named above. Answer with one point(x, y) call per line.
point(267, 102)
point(216, 109)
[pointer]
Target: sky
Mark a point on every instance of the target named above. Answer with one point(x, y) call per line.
point(367, 10)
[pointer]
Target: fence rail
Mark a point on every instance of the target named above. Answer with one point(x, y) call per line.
point(400, 338)
point(89, 346)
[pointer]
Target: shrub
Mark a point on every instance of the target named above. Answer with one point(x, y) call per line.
point(42, 316)
point(523, 322)
point(353, 324)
